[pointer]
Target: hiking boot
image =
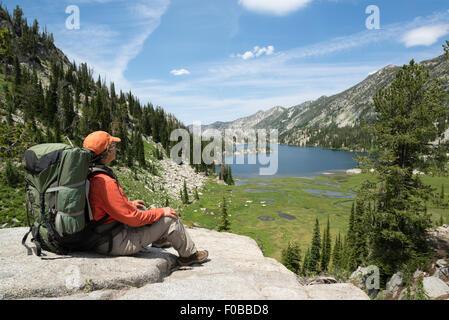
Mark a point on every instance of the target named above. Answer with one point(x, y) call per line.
point(161, 244)
point(197, 257)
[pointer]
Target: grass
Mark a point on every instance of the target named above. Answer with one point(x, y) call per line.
point(12, 206)
point(286, 196)
point(138, 185)
point(149, 149)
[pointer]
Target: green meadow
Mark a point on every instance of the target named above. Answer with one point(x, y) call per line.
point(271, 211)
point(275, 211)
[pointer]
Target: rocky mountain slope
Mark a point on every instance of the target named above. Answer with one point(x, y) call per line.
point(297, 124)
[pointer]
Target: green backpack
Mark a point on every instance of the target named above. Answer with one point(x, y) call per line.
point(58, 210)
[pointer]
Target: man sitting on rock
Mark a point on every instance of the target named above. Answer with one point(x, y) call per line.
point(141, 227)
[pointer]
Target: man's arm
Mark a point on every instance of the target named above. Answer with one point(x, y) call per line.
point(120, 209)
point(170, 212)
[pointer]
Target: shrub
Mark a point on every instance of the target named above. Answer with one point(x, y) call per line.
point(12, 175)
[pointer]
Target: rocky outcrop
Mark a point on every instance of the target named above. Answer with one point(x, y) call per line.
point(364, 278)
point(354, 171)
point(174, 176)
point(395, 283)
point(236, 269)
point(435, 287)
point(438, 238)
point(170, 177)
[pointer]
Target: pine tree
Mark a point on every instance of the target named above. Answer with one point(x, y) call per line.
point(69, 112)
point(291, 257)
point(221, 172)
point(326, 248)
point(129, 159)
point(345, 253)
point(359, 247)
point(17, 72)
point(409, 115)
point(57, 136)
point(229, 179)
point(197, 197)
point(315, 249)
point(123, 145)
point(224, 224)
point(18, 21)
point(11, 174)
point(51, 102)
point(351, 230)
point(336, 254)
point(140, 149)
point(40, 99)
point(306, 264)
point(185, 194)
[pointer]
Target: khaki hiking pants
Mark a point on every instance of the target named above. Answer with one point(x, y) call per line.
point(132, 239)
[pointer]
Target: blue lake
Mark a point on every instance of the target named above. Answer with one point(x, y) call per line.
point(292, 161)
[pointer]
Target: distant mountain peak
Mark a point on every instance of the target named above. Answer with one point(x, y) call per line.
point(344, 109)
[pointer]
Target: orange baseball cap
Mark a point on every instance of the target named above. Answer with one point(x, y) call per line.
point(98, 141)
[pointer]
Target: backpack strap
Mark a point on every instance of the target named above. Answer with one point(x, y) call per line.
point(101, 168)
point(33, 229)
point(109, 234)
point(89, 209)
point(24, 239)
point(38, 249)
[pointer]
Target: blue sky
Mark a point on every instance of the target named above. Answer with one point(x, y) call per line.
point(218, 60)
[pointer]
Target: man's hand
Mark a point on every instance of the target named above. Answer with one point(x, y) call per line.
point(170, 212)
point(138, 203)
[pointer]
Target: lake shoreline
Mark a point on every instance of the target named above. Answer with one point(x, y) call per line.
point(326, 173)
point(290, 161)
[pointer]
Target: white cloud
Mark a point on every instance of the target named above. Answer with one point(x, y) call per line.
point(274, 7)
point(268, 50)
point(425, 36)
point(109, 48)
point(247, 55)
point(154, 11)
point(179, 72)
point(242, 87)
point(90, 1)
point(256, 52)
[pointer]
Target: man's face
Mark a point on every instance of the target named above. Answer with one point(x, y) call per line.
point(112, 151)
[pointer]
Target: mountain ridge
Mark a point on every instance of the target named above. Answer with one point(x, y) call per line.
point(299, 124)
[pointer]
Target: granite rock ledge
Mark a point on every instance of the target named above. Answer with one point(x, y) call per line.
point(236, 269)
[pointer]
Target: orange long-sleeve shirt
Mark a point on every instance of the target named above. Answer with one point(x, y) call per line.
point(105, 198)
